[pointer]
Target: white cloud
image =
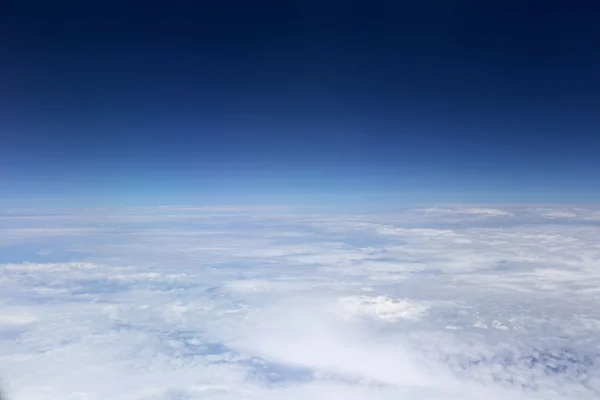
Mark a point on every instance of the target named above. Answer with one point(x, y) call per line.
point(491, 212)
point(381, 307)
point(445, 303)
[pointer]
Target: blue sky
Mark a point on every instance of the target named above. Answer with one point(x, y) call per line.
point(394, 103)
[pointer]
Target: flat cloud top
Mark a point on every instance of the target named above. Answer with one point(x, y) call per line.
point(185, 302)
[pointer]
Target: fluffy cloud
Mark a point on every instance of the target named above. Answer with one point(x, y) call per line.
point(182, 303)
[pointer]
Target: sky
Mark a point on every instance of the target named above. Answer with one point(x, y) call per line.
point(113, 103)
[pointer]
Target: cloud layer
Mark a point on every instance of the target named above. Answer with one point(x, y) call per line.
point(184, 303)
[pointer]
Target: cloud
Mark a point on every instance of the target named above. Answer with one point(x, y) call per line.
point(489, 212)
point(381, 307)
point(456, 303)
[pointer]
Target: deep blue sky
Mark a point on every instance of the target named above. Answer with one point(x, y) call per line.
point(396, 101)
